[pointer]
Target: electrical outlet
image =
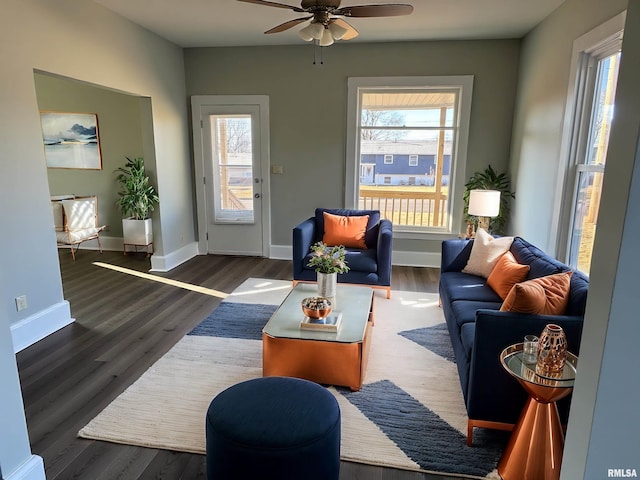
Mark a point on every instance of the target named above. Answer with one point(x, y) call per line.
point(21, 303)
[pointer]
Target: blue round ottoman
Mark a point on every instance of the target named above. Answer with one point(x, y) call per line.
point(273, 428)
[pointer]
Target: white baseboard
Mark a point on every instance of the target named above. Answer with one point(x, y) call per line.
point(110, 244)
point(39, 325)
point(164, 263)
point(417, 259)
point(32, 469)
point(280, 252)
point(410, 259)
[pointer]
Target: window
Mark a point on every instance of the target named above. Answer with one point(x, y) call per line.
point(596, 73)
point(409, 117)
point(232, 168)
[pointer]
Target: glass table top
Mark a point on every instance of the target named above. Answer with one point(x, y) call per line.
point(516, 364)
point(353, 302)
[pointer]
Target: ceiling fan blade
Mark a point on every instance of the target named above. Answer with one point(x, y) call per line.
point(351, 32)
point(287, 25)
point(273, 4)
point(388, 10)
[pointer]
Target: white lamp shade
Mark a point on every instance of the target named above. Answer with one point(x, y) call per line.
point(484, 203)
point(326, 38)
point(337, 32)
point(306, 33)
point(316, 30)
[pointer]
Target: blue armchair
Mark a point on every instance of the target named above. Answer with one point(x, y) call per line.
point(371, 266)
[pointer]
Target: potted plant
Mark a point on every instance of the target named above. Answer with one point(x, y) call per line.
point(328, 262)
point(137, 199)
point(490, 180)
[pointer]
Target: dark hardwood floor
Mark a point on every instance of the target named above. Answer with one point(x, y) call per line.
point(125, 323)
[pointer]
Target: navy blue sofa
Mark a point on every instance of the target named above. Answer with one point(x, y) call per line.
point(479, 331)
point(371, 266)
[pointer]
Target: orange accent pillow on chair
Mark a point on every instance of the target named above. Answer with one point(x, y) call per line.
point(345, 230)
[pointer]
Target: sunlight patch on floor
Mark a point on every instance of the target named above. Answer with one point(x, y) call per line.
point(166, 281)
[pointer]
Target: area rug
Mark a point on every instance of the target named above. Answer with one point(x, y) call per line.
point(409, 414)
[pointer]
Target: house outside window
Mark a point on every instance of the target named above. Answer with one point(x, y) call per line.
point(394, 122)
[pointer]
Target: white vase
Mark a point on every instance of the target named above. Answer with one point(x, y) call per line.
point(327, 284)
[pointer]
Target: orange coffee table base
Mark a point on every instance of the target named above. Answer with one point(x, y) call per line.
point(327, 363)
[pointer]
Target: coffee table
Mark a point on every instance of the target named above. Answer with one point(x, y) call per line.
point(331, 358)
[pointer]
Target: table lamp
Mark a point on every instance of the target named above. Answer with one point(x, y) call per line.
point(484, 204)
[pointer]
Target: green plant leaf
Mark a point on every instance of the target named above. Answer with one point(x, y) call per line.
point(137, 197)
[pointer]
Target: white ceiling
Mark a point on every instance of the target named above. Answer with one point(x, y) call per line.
point(214, 23)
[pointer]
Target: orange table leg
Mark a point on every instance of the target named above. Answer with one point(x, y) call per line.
point(534, 451)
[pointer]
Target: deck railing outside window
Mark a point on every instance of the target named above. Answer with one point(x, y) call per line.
point(411, 206)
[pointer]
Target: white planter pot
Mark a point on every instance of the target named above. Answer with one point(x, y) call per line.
point(137, 232)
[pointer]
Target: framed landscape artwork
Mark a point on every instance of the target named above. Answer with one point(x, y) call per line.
point(71, 140)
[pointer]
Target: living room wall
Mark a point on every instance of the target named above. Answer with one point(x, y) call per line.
point(538, 123)
point(120, 133)
point(308, 110)
point(84, 41)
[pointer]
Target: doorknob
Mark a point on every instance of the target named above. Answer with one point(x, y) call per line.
point(257, 195)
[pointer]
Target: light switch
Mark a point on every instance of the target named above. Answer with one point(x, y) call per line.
point(277, 169)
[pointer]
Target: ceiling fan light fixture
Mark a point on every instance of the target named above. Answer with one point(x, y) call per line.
point(337, 32)
point(306, 33)
point(316, 30)
point(326, 38)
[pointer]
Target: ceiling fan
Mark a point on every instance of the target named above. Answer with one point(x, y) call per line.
point(324, 27)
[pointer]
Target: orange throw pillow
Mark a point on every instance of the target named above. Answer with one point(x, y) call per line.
point(545, 295)
point(345, 230)
point(506, 274)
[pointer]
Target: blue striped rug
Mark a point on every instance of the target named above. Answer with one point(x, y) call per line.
point(419, 432)
point(408, 415)
point(235, 320)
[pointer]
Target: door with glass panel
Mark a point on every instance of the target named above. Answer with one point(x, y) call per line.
point(601, 73)
point(231, 137)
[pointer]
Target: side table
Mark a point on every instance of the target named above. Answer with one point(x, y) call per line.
point(534, 451)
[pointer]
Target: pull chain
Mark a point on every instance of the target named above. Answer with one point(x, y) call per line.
point(316, 46)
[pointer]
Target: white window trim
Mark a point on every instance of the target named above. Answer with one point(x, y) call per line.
point(390, 158)
point(465, 84)
point(415, 159)
point(597, 43)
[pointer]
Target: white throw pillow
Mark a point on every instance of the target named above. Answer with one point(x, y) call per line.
point(80, 213)
point(485, 253)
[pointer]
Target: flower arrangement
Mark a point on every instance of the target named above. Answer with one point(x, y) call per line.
point(328, 259)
